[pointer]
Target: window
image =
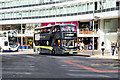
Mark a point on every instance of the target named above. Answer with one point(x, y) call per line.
point(79, 8)
point(57, 11)
point(76, 8)
point(117, 3)
point(3, 15)
point(90, 6)
point(43, 13)
point(72, 9)
point(68, 9)
point(83, 7)
point(0, 15)
point(33, 13)
point(61, 10)
point(3, 4)
point(111, 25)
point(54, 11)
point(47, 11)
point(24, 13)
point(40, 12)
point(6, 43)
point(0, 4)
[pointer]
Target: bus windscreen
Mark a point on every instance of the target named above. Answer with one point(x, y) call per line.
point(69, 43)
point(12, 37)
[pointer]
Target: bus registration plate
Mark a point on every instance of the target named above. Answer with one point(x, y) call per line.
point(70, 52)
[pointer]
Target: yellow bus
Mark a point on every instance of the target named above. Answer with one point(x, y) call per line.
point(56, 39)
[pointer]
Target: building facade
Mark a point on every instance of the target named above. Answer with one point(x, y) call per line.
point(34, 13)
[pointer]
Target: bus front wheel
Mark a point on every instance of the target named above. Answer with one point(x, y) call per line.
point(38, 51)
point(17, 50)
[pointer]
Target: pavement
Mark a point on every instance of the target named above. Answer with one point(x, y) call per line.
point(87, 53)
point(98, 54)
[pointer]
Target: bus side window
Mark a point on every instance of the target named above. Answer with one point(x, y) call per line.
point(6, 43)
point(47, 43)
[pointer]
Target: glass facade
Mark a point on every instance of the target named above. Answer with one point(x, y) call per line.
point(84, 7)
point(111, 25)
point(27, 2)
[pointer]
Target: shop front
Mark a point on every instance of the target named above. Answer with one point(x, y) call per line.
point(85, 35)
point(88, 41)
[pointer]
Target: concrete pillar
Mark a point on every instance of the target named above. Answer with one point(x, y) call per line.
point(118, 33)
point(101, 33)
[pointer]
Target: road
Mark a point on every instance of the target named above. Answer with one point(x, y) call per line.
point(48, 66)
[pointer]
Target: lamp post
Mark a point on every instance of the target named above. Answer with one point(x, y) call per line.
point(1, 19)
point(93, 27)
point(94, 17)
point(21, 31)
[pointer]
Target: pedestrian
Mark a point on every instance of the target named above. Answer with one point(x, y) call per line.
point(78, 46)
point(0, 48)
point(112, 48)
point(117, 47)
point(103, 48)
point(82, 45)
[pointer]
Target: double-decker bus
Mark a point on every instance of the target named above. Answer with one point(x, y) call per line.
point(9, 40)
point(56, 39)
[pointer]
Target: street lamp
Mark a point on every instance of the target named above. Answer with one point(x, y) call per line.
point(94, 17)
point(93, 27)
point(21, 31)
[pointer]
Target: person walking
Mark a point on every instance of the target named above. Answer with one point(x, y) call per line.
point(82, 45)
point(112, 48)
point(103, 48)
point(0, 48)
point(78, 46)
point(117, 47)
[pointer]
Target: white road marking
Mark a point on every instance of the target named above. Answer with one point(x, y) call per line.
point(57, 57)
point(89, 75)
point(26, 73)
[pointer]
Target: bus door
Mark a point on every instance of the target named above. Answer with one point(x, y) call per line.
point(57, 46)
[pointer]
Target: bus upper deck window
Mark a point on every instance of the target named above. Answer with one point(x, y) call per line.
point(41, 30)
point(48, 30)
point(58, 30)
point(44, 30)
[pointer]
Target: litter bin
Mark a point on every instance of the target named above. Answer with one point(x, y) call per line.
point(24, 47)
point(20, 47)
point(27, 47)
point(90, 47)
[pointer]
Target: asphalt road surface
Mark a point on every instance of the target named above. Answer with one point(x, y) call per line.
point(19, 66)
